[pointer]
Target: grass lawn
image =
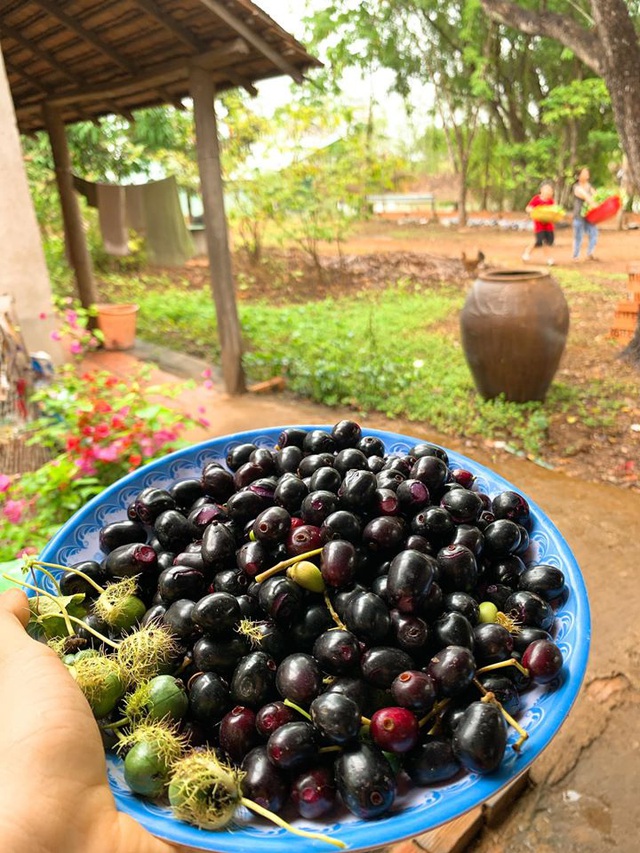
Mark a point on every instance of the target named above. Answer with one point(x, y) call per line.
point(395, 351)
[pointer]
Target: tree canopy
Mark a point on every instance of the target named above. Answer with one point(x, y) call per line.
point(545, 108)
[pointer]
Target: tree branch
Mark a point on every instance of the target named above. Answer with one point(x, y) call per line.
point(562, 28)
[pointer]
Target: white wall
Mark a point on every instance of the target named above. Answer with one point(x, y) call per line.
point(23, 272)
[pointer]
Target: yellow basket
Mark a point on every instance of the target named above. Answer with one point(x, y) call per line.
point(547, 213)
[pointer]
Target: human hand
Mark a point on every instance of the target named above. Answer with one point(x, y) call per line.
point(54, 793)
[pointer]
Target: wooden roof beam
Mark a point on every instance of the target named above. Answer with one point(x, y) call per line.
point(40, 52)
point(174, 100)
point(71, 23)
point(160, 75)
point(33, 81)
point(240, 81)
point(253, 38)
point(170, 24)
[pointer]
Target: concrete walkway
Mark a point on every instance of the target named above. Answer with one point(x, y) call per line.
point(583, 795)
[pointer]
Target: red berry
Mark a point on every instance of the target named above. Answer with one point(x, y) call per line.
point(394, 729)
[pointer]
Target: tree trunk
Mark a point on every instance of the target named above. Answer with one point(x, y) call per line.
point(621, 59)
point(487, 168)
point(611, 49)
point(462, 193)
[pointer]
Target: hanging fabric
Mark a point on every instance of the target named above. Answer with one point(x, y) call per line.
point(112, 218)
point(152, 210)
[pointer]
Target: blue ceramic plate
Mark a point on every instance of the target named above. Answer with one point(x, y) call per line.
point(417, 810)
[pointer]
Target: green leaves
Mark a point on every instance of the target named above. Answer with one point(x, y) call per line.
point(47, 614)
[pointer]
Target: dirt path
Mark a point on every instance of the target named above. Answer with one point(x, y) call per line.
point(502, 247)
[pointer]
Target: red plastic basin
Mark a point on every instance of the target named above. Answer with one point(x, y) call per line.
point(609, 207)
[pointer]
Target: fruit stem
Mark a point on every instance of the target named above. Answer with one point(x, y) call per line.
point(511, 662)
point(40, 564)
point(82, 575)
point(333, 613)
point(186, 663)
point(439, 706)
point(52, 578)
point(297, 708)
point(490, 697)
point(274, 818)
point(333, 748)
point(119, 724)
point(46, 594)
point(95, 633)
point(284, 564)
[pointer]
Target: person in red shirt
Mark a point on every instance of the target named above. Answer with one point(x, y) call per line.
point(544, 232)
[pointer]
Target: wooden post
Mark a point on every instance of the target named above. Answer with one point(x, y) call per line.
point(74, 229)
point(203, 92)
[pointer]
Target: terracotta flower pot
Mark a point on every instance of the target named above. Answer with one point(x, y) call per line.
point(514, 327)
point(118, 324)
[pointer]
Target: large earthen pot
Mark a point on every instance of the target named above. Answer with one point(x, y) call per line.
point(514, 326)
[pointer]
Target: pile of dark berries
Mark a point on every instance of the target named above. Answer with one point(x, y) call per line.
point(342, 617)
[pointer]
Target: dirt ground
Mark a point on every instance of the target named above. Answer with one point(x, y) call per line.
point(382, 251)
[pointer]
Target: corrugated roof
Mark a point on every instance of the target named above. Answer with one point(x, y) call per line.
point(91, 57)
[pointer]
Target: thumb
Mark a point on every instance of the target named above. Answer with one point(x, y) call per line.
point(15, 603)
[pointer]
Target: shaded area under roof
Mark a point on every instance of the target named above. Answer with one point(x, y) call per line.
point(89, 58)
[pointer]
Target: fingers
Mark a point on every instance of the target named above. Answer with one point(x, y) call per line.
point(14, 601)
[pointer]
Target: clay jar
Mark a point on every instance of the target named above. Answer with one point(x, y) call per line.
point(514, 326)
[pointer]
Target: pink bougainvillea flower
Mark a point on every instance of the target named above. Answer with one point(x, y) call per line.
point(206, 373)
point(13, 510)
point(135, 459)
point(163, 436)
point(102, 431)
point(75, 347)
point(72, 318)
point(42, 315)
point(26, 552)
point(208, 384)
point(107, 454)
point(5, 482)
point(146, 446)
point(201, 410)
point(86, 467)
point(204, 422)
point(55, 336)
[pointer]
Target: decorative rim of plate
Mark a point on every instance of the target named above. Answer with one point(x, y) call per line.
point(422, 809)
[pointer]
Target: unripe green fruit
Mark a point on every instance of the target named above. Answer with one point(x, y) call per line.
point(307, 575)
